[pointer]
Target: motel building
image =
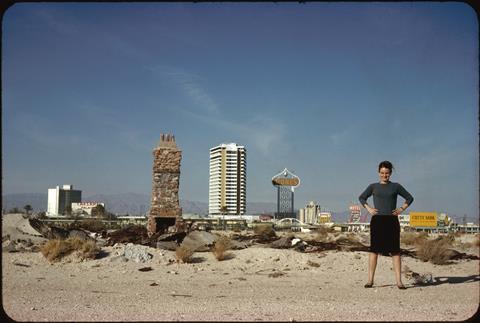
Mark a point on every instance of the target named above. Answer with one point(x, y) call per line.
point(85, 208)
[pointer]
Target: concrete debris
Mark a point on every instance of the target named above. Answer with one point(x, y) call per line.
point(137, 253)
point(52, 232)
point(295, 241)
point(417, 278)
point(20, 246)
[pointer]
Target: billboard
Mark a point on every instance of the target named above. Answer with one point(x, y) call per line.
point(423, 219)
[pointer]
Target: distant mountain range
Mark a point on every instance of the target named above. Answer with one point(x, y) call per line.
point(134, 203)
point(124, 203)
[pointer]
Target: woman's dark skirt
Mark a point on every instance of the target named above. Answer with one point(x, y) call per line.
point(385, 234)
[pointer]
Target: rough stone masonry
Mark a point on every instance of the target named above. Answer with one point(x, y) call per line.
point(165, 208)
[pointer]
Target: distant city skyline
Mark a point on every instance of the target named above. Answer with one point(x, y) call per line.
point(327, 90)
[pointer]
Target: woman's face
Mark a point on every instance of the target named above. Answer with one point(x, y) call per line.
point(384, 174)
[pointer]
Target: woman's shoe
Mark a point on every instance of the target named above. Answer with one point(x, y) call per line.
point(401, 286)
point(368, 285)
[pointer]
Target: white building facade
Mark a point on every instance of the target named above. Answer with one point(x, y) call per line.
point(228, 180)
point(310, 214)
point(61, 198)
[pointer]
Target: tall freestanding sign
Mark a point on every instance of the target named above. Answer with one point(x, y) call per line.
point(165, 208)
point(285, 182)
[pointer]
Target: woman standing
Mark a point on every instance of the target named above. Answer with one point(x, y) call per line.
point(384, 225)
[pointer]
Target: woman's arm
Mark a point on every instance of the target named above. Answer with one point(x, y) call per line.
point(363, 199)
point(408, 200)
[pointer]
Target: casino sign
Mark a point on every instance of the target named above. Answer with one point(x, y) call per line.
point(286, 178)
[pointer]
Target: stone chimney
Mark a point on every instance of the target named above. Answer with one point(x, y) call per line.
point(165, 208)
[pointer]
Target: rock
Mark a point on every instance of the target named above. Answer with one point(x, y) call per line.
point(9, 246)
point(199, 240)
point(282, 243)
point(81, 234)
point(47, 231)
point(237, 245)
point(167, 245)
point(137, 253)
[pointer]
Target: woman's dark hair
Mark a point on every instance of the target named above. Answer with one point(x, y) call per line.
point(385, 164)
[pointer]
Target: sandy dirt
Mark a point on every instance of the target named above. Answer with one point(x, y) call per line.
point(257, 283)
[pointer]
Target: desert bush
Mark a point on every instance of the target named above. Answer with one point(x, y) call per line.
point(264, 230)
point(89, 250)
point(56, 249)
point(413, 238)
point(183, 254)
point(221, 246)
point(322, 234)
point(476, 242)
point(435, 251)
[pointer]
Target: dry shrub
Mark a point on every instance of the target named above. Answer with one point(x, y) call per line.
point(436, 251)
point(89, 250)
point(221, 246)
point(56, 249)
point(476, 242)
point(264, 230)
point(184, 254)
point(413, 238)
point(322, 234)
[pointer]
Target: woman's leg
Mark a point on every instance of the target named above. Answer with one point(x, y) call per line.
point(372, 265)
point(397, 266)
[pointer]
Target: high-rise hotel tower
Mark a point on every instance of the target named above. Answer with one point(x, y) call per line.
point(228, 180)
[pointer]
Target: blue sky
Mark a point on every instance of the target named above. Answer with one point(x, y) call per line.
point(327, 90)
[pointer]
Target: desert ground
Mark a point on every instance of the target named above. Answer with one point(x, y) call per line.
point(257, 283)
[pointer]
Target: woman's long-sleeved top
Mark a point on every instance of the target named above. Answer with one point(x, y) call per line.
point(385, 196)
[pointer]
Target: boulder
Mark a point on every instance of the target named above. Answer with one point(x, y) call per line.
point(176, 236)
point(167, 245)
point(237, 245)
point(199, 240)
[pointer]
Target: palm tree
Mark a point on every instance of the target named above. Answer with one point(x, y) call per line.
point(28, 208)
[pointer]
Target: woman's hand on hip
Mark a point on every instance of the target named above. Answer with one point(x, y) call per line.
point(372, 210)
point(397, 211)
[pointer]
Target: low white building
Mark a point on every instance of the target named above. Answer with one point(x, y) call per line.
point(85, 207)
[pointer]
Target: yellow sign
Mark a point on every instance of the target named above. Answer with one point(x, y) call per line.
point(423, 219)
point(285, 181)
